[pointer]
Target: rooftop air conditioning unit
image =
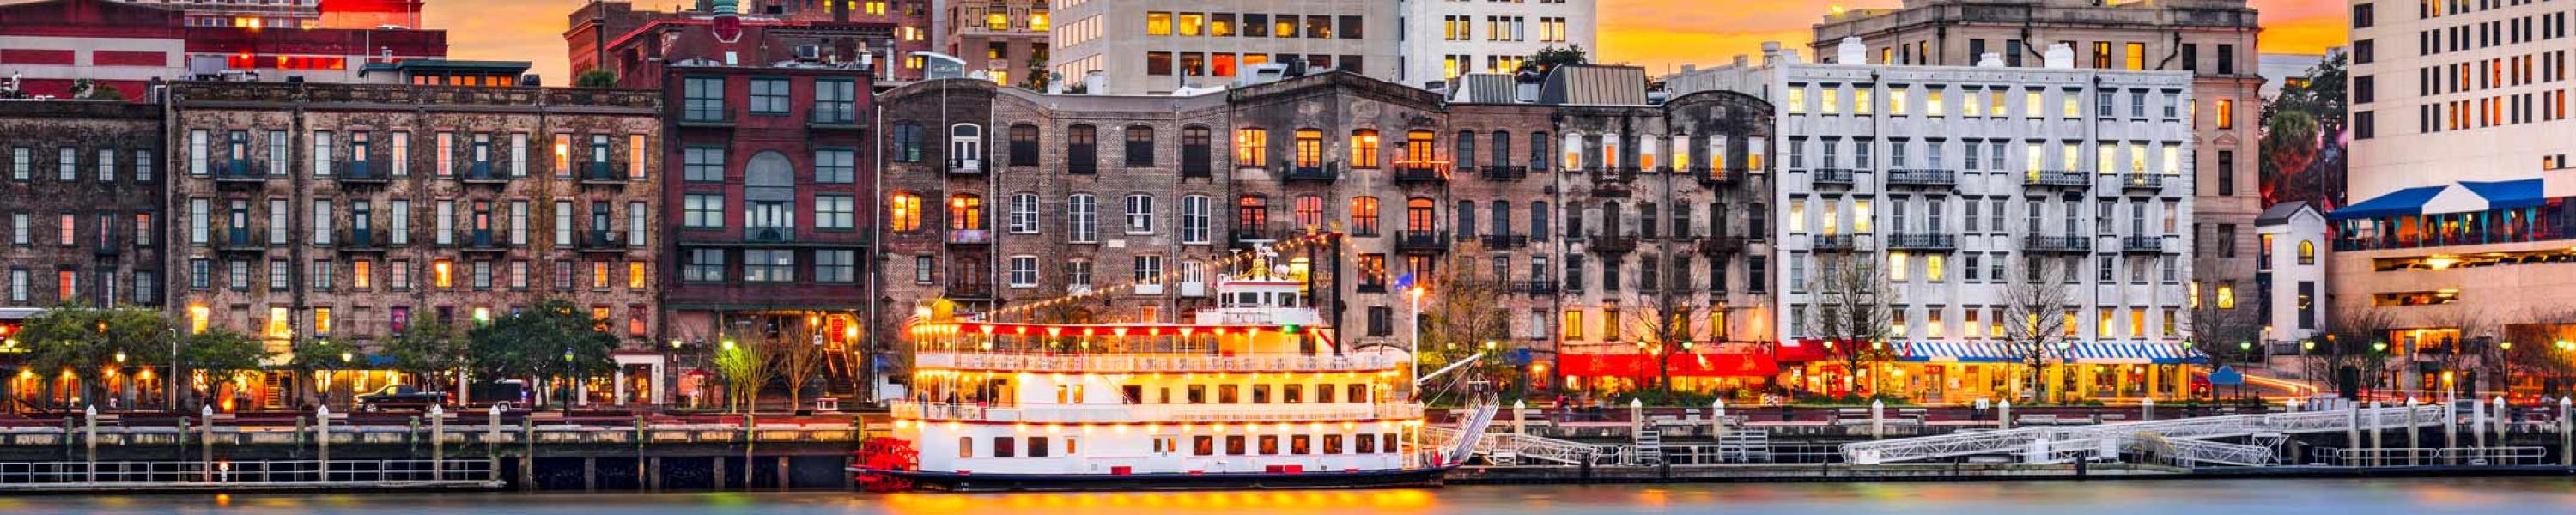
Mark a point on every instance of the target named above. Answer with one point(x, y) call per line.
point(809, 52)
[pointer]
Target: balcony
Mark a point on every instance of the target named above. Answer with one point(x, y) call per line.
point(1714, 177)
point(1922, 177)
point(603, 241)
point(1923, 242)
point(1613, 189)
point(1611, 244)
point(108, 249)
point(1722, 245)
point(2057, 244)
point(1420, 174)
point(2142, 245)
point(965, 167)
point(603, 173)
point(480, 240)
point(240, 172)
point(970, 237)
point(360, 240)
point(970, 290)
point(1534, 287)
point(1311, 173)
point(1503, 173)
point(237, 239)
point(482, 172)
point(1835, 243)
point(2055, 178)
point(769, 234)
point(1505, 241)
point(701, 117)
point(2142, 181)
point(359, 173)
point(1243, 238)
point(1422, 241)
point(1833, 176)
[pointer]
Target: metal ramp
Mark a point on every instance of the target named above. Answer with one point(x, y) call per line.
point(1528, 448)
point(1650, 445)
point(1743, 446)
point(1479, 418)
point(2040, 444)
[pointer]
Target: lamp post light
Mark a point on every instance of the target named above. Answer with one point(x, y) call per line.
point(1413, 333)
point(568, 387)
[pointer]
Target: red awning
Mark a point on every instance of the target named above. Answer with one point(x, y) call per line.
point(1800, 350)
point(1683, 365)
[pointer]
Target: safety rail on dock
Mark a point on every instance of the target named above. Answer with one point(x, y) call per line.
point(455, 434)
point(145, 473)
point(2065, 441)
point(2404, 456)
point(1150, 363)
point(1147, 414)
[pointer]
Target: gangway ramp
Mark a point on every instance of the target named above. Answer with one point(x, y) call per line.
point(2019, 441)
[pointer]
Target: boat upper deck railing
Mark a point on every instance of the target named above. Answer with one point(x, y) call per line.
point(1152, 363)
point(1158, 413)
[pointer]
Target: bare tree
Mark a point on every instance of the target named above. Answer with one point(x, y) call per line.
point(1460, 316)
point(2220, 319)
point(1854, 311)
point(2460, 351)
point(748, 361)
point(801, 354)
point(2358, 341)
point(2035, 319)
point(1663, 328)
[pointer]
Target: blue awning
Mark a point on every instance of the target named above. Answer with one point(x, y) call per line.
point(2405, 202)
point(2091, 353)
point(2103, 353)
point(2515, 194)
point(1960, 352)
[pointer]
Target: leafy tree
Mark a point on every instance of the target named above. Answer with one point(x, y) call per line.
point(321, 355)
point(1550, 57)
point(85, 89)
point(80, 340)
point(1460, 319)
point(1037, 78)
point(2302, 142)
point(427, 349)
point(219, 356)
point(596, 78)
point(553, 338)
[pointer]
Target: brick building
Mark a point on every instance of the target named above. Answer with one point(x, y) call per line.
point(775, 161)
point(52, 43)
point(833, 32)
point(346, 212)
point(80, 203)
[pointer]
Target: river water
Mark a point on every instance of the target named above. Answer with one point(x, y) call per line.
point(2525, 496)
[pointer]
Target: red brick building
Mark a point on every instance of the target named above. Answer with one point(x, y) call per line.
point(51, 44)
point(632, 42)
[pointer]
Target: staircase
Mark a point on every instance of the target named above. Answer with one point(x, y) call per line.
point(1741, 446)
point(1650, 446)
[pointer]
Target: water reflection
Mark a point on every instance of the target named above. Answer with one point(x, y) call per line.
point(2322, 497)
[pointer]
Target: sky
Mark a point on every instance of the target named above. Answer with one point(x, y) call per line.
point(1660, 35)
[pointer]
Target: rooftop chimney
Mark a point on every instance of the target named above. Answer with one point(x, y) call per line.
point(1851, 52)
point(2060, 56)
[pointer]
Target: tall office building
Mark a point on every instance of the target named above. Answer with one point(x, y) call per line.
point(2213, 39)
point(1005, 39)
point(1447, 38)
point(2459, 170)
point(1156, 46)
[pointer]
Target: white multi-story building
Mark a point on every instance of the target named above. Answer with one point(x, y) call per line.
point(1443, 39)
point(2290, 274)
point(1158, 46)
point(1959, 180)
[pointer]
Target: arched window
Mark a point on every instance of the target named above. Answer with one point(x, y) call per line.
point(965, 212)
point(769, 196)
point(2307, 252)
point(1364, 148)
point(903, 211)
point(966, 147)
point(1251, 214)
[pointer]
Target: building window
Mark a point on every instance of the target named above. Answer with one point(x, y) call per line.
point(1310, 149)
point(702, 99)
point(1194, 219)
point(769, 96)
point(832, 266)
point(768, 265)
point(905, 209)
point(1364, 149)
point(835, 101)
point(702, 164)
point(1082, 218)
point(1024, 213)
point(1140, 146)
point(836, 166)
point(835, 212)
point(1252, 147)
point(907, 142)
point(965, 212)
point(1024, 271)
point(1140, 214)
point(702, 211)
point(1024, 145)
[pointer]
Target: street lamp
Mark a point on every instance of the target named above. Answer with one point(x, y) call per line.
point(1413, 333)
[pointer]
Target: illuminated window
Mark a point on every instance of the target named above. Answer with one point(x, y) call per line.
point(1797, 100)
point(1252, 147)
point(1896, 266)
point(1364, 149)
point(2033, 104)
point(2227, 296)
point(442, 273)
point(905, 209)
point(1310, 148)
point(599, 274)
point(1573, 324)
point(279, 326)
point(2226, 113)
point(1000, 21)
point(1190, 23)
point(1932, 268)
point(362, 274)
point(1158, 24)
point(1832, 101)
point(2102, 322)
point(1860, 101)
point(965, 213)
point(1038, 21)
point(1932, 104)
point(2307, 252)
point(1896, 101)
point(635, 275)
point(321, 320)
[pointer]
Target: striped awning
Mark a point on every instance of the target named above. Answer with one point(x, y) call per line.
point(2090, 353)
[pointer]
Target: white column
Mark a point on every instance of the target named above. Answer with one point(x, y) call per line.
point(661, 391)
point(617, 385)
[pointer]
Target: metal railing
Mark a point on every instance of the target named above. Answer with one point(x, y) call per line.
point(1150, 363)
point(1842, 176)
point(260, 471)
point(2064, 178)
point(1922, 177)
point(2019, 440)
point(2427, 456)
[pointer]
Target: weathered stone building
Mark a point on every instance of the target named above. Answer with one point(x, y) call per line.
point(80, 203)
point(1007, 202)
point(348, 211)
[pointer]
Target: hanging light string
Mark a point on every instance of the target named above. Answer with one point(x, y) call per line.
point(1314, 239)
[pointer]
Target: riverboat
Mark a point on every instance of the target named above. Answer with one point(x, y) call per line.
point(1254, 393)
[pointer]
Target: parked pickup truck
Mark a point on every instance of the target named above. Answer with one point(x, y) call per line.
point(401, 395)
